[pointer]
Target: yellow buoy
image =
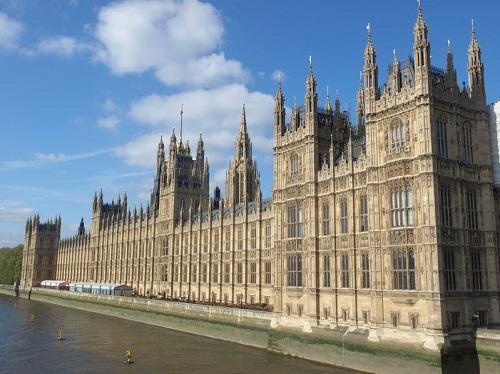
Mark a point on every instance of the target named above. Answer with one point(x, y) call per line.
point(129, 356)
point(61, 335)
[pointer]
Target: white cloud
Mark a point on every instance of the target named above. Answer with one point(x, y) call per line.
point(48, 158)
point(61, 45)
point(177, 40)
point(14, 213)
point(109, 123)
point(10, 32)
point(278, 75)
point(214, 112)
point(109, 105)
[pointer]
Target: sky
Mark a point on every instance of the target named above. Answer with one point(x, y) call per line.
point(87, 87)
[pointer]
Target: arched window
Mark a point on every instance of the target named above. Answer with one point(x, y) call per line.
point(398, 138)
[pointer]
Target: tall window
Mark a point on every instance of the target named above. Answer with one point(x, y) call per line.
point(398, 137)
point(294, 222)
point(326, 219)
point(267, 272)
point(164, 273)
point(253, 272)
point(402, 207)
point(344, 223)
point(363, 214)
point(184, 273)
point(294, 164)
point(164, 247)
point(345, 270)
point(446, 218)
point(205, 241)
point(253, 235)
point(295, 271)
point(403, 269)
point(365, 270)
point(240, 237)
point(215, 273)
point(204, 273)
point(195, 242)
point(194, 273)
point(468, 146)
point(216, 240)
point(326, 271)
point(239, 272)
point(227, 239)
point(185, 243)
point(227, 271)
point(442, 139)
point(471, 210)
point(176, 273)
point(268, 234)
point(450, 283)
point(476, 282)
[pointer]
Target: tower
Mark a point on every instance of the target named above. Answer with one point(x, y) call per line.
point(183, 182)
point(41, 241)
point(242, 180)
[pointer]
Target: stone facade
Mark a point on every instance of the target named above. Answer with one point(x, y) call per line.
point(387, 226)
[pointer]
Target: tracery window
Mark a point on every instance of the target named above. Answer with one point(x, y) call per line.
point(398, 136)
point(294, 164)
point(402, 206)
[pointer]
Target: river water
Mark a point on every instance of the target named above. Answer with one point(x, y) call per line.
point(96, 343)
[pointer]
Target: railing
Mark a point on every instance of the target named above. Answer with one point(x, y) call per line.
point(164, 305)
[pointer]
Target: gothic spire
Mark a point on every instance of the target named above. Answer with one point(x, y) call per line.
point(475, 67)
point(328, 105)
point(421, 46)
point(279, 110)
point(311, 97)
point(370, 68)
point(160, 154)
point(243, 144)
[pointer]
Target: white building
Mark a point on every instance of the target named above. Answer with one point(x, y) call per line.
point(494, 109)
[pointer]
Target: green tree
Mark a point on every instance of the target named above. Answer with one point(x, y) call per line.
point(10, 264)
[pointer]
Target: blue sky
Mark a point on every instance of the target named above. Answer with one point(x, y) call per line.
point(87, 87)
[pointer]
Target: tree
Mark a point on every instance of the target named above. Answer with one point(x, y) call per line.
point(10, 264)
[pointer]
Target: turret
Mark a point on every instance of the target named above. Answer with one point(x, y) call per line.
point(421, 54)
point(475, 69)
point(360, 104)
point(328, 105)
point(279, 111)
point(370, 68)
point(311, 98)
point(243, 147)
point(451, 73)
point(160, 154)
point(395, 80)
point(81, 228)
point(173, 145)
point(200, 150)
point(216, 199)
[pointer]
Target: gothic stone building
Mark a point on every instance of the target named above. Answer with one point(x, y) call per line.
point(388, 225)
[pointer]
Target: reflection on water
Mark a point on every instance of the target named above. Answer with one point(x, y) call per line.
point(96, 344)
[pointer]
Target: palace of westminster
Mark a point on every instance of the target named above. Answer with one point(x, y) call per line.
point(388, 224)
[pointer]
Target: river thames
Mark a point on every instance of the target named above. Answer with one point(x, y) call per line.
point(96, 343)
